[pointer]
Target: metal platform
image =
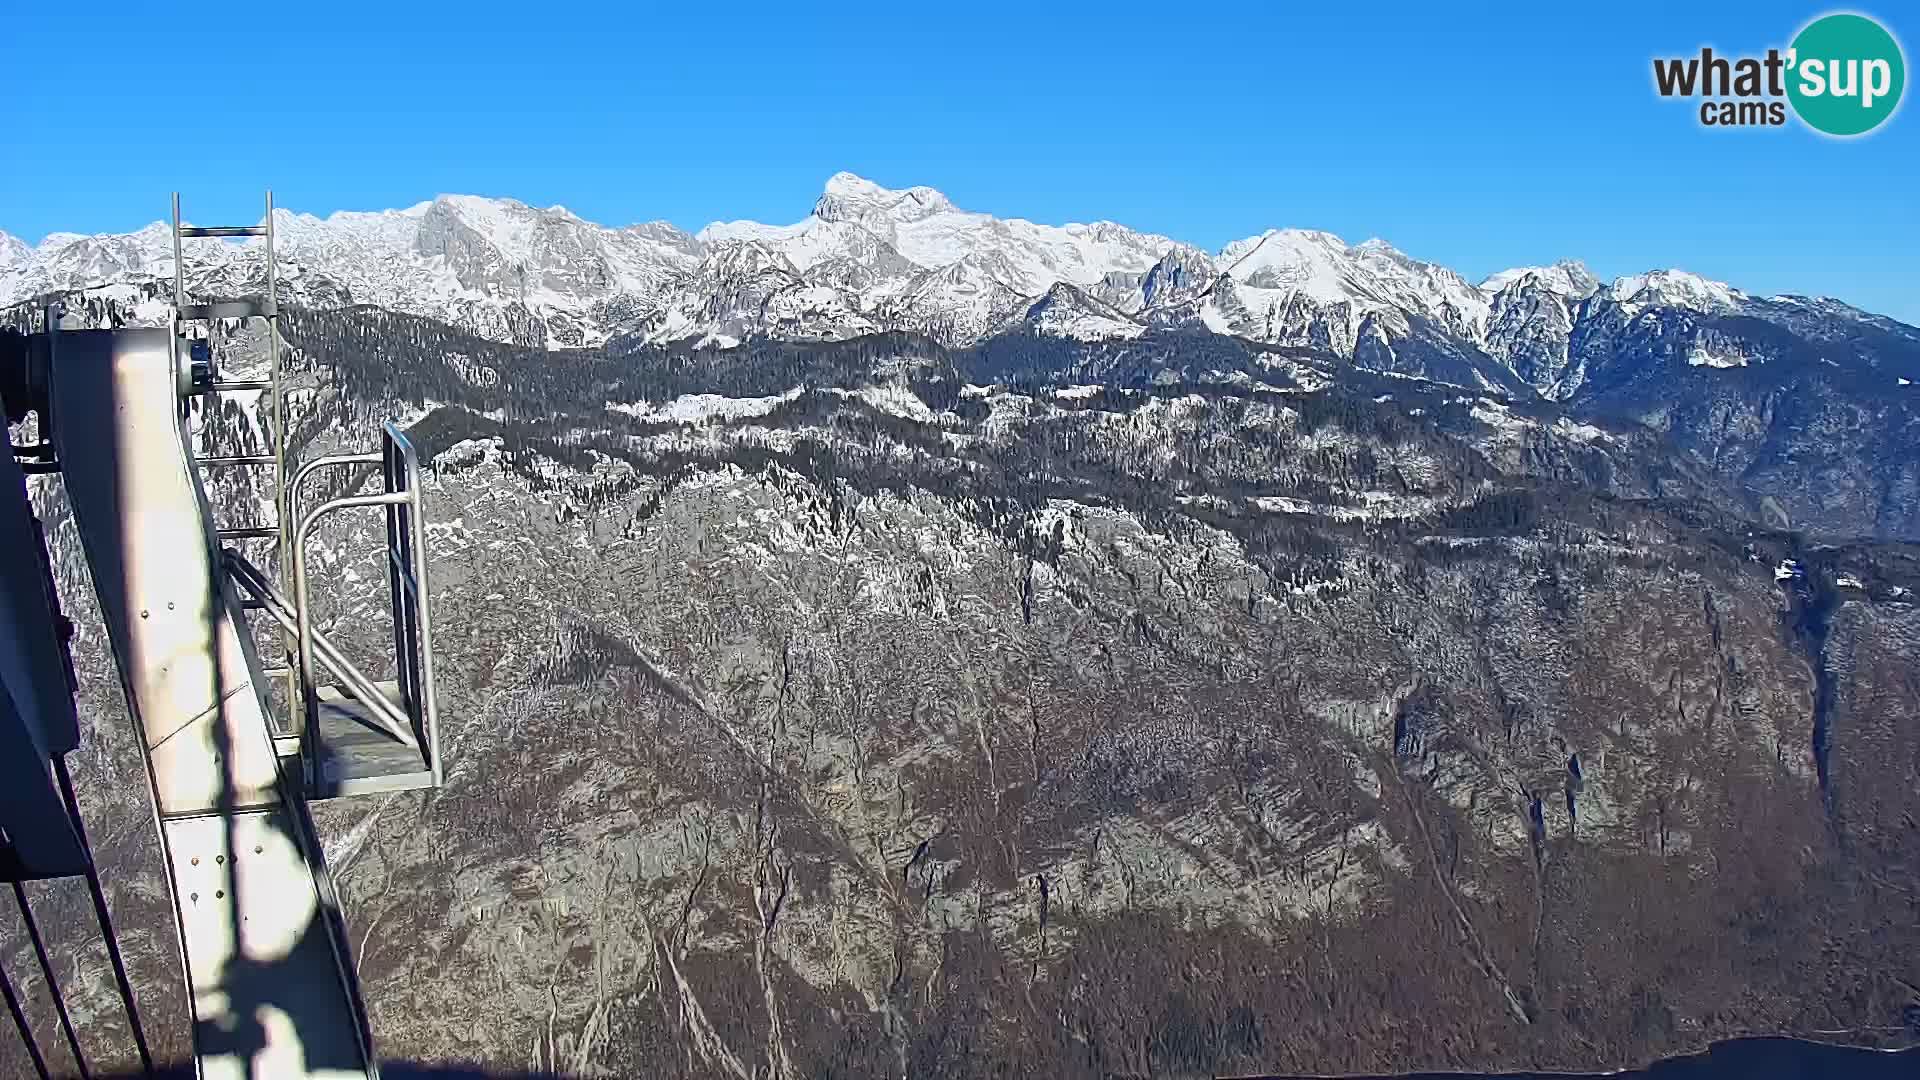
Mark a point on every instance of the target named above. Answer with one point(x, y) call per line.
point(354, 755)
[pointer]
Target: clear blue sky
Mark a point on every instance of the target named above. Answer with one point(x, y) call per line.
point(1480, 138)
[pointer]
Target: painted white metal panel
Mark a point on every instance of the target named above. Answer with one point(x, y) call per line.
point(266, 999)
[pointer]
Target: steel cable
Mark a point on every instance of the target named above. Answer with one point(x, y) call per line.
point(103, 917)
point(53, 984)
point(26, 1029)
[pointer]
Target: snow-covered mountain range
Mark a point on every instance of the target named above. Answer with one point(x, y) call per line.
point(869, 258)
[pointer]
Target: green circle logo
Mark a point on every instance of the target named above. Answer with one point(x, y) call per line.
point(1846, 73)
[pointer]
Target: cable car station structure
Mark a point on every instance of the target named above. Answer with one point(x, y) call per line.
point(269, 970)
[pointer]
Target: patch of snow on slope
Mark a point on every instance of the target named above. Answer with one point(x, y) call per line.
point(701, 408)
point(1702, 354)
point(1496, 415)
point(892, 398)
point(1375, 506)
point(1578, 432)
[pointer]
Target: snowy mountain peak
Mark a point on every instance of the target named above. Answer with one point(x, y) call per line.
point(12, 251)
point(1066, 311)
point(1273, 274)
point(479, 205)
point(1180, 278)
point(1568, 277)
point(54, 241)
point(733, 259)
point(1676, 288)
point(854, 198)
point(1277, 246)
point(853, 185)
point(499, 220)
point(1306, 260)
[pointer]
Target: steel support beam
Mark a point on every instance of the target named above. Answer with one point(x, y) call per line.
point(270, 973)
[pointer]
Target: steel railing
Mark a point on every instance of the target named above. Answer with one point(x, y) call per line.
point(415, 719)
point(407, 588)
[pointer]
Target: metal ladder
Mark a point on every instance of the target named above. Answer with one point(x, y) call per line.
point(202, 376)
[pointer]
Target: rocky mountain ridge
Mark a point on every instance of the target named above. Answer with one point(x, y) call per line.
point(1808, 406)
point(870, 258)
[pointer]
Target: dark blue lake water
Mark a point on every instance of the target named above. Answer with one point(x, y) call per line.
point(1739, 1059)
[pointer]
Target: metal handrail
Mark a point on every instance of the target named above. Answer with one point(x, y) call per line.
point(407, 550)
point(407, 576)
point(369, 457)
point(290, 509)
point(255, 582)
point(307, 469)
point(302, 616)
point(237, 459)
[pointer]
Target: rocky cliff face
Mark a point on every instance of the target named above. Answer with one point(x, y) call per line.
point(1172, 706)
